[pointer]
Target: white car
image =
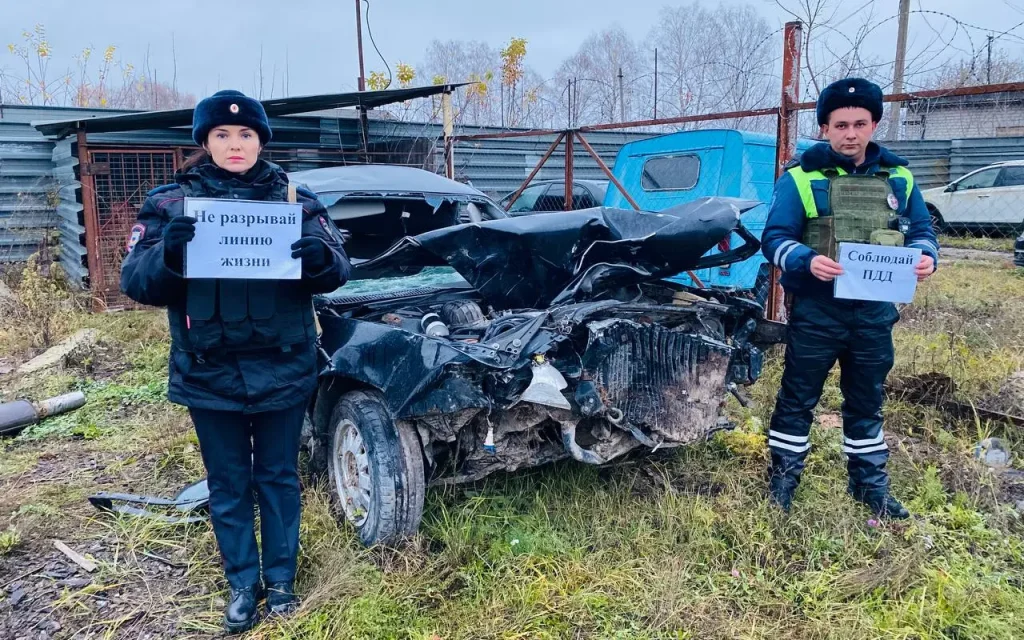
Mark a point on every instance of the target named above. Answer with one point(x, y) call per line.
point(988, 200)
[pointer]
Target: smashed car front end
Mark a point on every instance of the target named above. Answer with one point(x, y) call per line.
point(578, 349)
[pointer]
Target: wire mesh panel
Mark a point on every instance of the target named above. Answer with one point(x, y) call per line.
point(121, 179)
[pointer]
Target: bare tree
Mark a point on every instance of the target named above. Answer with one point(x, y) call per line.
point(713, 60)
point(595, 66)
point(467, 61)
point(965, 72)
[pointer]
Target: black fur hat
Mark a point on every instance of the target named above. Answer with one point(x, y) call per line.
point(850, 92)
point(229, 107)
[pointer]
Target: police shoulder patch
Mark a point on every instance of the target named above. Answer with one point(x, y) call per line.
point(137, 233)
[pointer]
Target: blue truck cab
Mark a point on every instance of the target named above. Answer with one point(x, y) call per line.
point(677, 168)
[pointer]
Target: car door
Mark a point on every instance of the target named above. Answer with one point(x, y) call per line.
point(970, 202)
point(553, 199)
point(527, 201)
point(1007, 202)
point(582, 198)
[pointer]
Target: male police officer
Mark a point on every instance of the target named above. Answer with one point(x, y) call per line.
point(847, 189)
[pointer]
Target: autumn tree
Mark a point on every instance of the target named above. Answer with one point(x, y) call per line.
point(455, 61)
point(96, 80)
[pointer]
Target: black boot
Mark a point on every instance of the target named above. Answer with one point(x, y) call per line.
point(882, 504)
point(281, 599)
point(781, 489)
point(243, 610)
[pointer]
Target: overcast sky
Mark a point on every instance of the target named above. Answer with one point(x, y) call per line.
point(218, 41)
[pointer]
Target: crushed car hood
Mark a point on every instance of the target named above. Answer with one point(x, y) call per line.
point(558, 258)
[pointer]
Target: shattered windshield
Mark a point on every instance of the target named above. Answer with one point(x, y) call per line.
point(433, 277)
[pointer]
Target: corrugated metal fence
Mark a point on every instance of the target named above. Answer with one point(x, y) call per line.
point(929, 160)
point(38, 189)
point(27, 191)
point(41, 200)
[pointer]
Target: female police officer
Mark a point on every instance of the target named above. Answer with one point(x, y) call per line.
point(242, 351)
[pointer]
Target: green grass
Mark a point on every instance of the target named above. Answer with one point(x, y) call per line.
point(9, 539)
point(682, 545)
point(1004, 245)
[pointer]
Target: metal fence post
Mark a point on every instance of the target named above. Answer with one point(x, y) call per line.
point(97, 283)
point(785, 143)
point(449, 129)
point(568, 171)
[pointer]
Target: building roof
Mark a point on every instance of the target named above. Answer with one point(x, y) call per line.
point(274, 107)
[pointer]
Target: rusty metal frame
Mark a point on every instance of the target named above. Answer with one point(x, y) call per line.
point(92, 221)
point(980, 90)
point(536, 169)
point(607, 172)
point(527, 133)
point(618, 185)
point(104, 286)
point(785, 148)
point(569, 168)
point(749, 113)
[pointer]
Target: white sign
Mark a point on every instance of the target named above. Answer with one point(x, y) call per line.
point(243, 239)
point(878, 273)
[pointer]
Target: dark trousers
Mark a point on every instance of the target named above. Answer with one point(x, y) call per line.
point(244, 453)
point(859, 336)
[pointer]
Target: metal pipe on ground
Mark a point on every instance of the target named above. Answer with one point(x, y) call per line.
point(15, 416)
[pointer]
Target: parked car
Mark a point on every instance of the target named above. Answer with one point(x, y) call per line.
point(511, 343)
point(549, 195)
point(669, 170)
point(1018, 251)
point(989, 200)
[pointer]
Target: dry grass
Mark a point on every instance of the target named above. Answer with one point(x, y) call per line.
point(683, 546)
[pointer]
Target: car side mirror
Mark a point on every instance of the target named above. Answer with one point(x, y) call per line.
point(951, 188)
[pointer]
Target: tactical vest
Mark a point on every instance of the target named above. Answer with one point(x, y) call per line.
point(243, 315)
point(862, 208)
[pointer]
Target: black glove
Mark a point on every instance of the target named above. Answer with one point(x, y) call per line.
point(313, 251)
point(180, 230)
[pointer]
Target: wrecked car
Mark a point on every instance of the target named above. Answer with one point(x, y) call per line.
point(379, 202)
point(498, 345)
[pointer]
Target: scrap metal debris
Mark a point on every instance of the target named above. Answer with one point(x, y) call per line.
point(192, 502)
point(15, 416)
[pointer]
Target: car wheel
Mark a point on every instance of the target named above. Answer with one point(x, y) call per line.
point(375, 466)
point(938, 225)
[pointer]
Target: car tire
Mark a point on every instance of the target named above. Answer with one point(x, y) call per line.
point(375, 468)
point(938, 224)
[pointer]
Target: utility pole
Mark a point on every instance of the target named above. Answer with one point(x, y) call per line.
point(655, 83)
point(359, 44)
point(622, 99)
point(988, 67)
point(568, 118)
point(901, 62)
point(364, 120)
